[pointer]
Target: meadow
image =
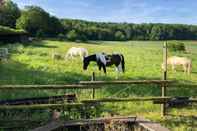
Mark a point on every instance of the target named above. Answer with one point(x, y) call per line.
point(32, 64)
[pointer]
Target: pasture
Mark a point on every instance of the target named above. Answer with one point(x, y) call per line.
point(33, 64)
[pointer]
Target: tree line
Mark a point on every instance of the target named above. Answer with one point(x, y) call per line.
point(40, 23)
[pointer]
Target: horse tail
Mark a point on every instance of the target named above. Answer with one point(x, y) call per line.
point(122, 62)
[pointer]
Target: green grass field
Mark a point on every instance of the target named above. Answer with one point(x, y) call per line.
point(33, 64)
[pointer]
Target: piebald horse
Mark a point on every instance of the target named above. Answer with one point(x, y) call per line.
point(186, 63)
point(103, 60)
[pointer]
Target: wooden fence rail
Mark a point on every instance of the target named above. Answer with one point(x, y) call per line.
point(157, 100)
point(46, 87)
point(135, 123)
point(93, 85)
point(40, 106)
point(127, 82)
point(127, 99)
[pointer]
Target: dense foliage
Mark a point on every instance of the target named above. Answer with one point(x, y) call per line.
point(129, 31)
point(39, 23)
point(176, 46)
point(9, 13)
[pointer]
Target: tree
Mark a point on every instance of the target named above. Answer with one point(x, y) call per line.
point(34, 19)
point(156, 33)
point(119, 36)
point(55, 27)
point(9, 13)
point(72, 35)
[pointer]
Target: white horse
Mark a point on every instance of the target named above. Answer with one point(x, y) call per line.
point(186, 63)
point(76, 51)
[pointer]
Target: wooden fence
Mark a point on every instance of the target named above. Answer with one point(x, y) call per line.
point(125, 123)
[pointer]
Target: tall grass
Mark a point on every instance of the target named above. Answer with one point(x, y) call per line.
point(32, 64)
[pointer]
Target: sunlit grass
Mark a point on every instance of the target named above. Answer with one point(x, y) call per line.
point(32, 64)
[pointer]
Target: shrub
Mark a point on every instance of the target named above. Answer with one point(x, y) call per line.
point(72, 35)
point(61, 36)
point(40, 34)
point(120, 36)
point(176, 46)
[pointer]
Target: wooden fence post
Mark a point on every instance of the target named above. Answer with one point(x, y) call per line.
point(163, 106)
point(93, 79)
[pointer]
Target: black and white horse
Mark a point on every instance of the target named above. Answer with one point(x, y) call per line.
point(103, 60)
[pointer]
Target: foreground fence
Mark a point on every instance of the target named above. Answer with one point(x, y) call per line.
point(83, 85)
point(102, 124)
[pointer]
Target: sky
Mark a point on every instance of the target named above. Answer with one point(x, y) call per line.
point(130, 11)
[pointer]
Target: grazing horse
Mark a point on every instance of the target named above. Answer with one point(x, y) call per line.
point(103, 60)
point(175, 60)
point(76, 51)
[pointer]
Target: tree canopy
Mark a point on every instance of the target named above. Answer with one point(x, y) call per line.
point(9, 13)
point(37, 22)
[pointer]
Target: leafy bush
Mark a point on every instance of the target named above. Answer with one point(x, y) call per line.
point(61, 36)
point(40, 34)
point(72, 35)
point(176, 46)
point(119, 36)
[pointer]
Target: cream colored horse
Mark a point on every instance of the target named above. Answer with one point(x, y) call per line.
point(76, 51)
point(186, 63)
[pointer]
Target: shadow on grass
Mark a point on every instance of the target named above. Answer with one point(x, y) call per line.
point(94, 42)
point(41, 44)
point(17, 73)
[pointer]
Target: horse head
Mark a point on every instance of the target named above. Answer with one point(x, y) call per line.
point(85, 63)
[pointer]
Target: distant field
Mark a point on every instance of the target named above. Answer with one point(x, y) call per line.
point(32, 64)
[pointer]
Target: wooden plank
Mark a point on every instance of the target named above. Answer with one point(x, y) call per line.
point(93, 79)
point(149, 125)
point(175, 85)
point(46, 87)
point(15, 124)
point(40, 100)
point(126, 82)
point(40, 106)
point(126, 99)
point(139, 122)
point(163, 89)
point(57, 124)
point(50, 126)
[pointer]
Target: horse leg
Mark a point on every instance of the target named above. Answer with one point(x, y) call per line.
point(189, 68)
point(99, 67)
point(173, 68)
point(120, 68)
point(117, 70)
point(185, 68)
point(104, 69)
point(66, 57)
